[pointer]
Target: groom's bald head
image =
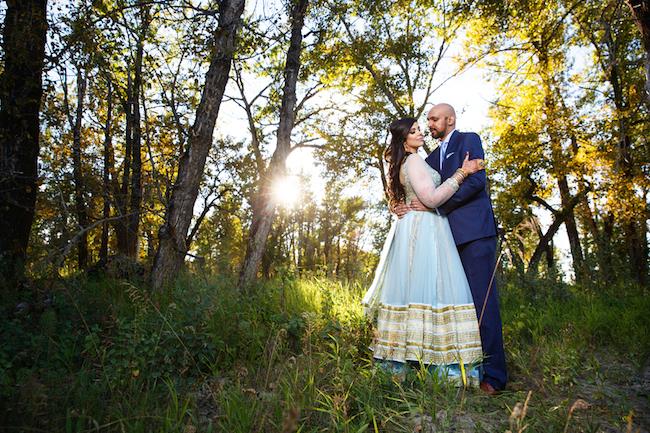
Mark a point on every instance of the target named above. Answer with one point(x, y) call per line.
point(445, 109)
point(441, 120)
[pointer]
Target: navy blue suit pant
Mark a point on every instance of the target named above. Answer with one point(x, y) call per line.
point(478, 258)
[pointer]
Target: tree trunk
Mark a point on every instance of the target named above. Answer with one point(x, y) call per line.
point(135, 187)
point(300, 246)
point(263, 206)
point(81, 209)
point(327, 240)
point(543, 244)
point(550, 257)
point(267, 261)
point(310, 248)
point(108, 167)
point(554, 107)
point(172, 247)
point(601, 242)
point(21, 89)
point(515, 255)
point(625, 163)
point(151, 249)
point(608, 232)
point(122, 192)
point(572, 231)
point(644, 247)
point(337, 267)
point(549, 250)
point(641, 13)
point(635, 239)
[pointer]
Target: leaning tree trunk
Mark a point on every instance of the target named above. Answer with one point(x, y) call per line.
point(21, 89)
point(172, 235)
point(641, 13)
point(553, 107)
point(572, 231)
point(263, 205)
point(559, 218)
point(543, 245)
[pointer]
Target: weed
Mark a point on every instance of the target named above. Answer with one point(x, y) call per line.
point(293, 355)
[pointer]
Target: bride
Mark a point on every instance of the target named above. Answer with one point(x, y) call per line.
point(420, 294)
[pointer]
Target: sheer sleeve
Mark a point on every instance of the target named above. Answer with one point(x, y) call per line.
point(418, 174)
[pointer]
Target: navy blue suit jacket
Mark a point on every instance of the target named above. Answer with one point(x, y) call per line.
point(469, 210)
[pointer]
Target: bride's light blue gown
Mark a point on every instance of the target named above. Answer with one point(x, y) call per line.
point(420, 293)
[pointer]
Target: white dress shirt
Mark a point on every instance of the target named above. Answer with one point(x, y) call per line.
point(443, 147)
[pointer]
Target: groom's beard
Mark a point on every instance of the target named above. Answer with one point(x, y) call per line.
point(428, 133)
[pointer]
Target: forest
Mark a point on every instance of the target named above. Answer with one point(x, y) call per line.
point(193, 202)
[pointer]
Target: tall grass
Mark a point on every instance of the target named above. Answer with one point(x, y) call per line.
point(293, 355)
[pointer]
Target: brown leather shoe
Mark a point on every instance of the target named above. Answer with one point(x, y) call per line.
point(488, 389)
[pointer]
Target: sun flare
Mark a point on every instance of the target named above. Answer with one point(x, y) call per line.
point(286, 191)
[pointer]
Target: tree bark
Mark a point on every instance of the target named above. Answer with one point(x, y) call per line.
point(172, 235)
point(77, 171)
point(264, 206)
point(515, 255)
point(602, 246)
point(641, 13)
point(549, 251)
point(121, 194)
point(635, 237)
point(107, 169)
point(129, 199)
point(607, 234)
point(326, 230)
point(135, 187)
point(554, 108)
point(543, 244)
point(572, 231)
point(625, 163)
point(21, 89)
point(337, 268)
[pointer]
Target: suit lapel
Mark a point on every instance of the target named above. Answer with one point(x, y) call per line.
point(452, 147)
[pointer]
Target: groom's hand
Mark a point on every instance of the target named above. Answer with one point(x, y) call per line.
point(418, 206)
point(401, 209)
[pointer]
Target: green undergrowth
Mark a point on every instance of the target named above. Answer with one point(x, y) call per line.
point(292, 355)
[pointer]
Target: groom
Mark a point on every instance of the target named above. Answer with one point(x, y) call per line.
point(472, 223)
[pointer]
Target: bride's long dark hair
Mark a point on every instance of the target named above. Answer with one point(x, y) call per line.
point(395, 154)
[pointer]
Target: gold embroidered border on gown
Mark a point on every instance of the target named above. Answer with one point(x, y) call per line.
point(445, 335)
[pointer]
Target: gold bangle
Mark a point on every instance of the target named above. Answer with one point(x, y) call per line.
point(462, 172)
